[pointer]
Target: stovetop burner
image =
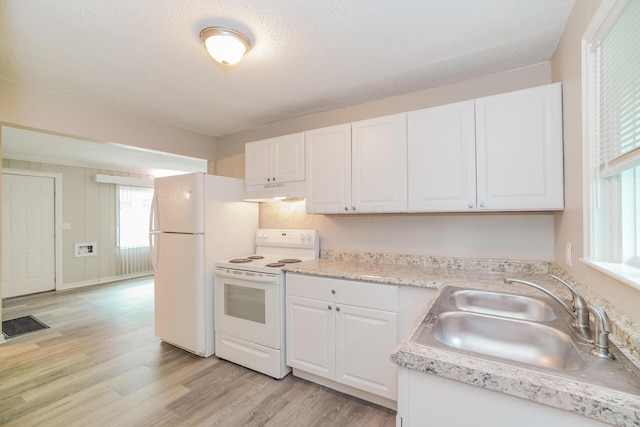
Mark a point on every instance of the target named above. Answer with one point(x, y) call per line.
point(240, 260)
point(255, 257)
point(289, 260)
point(275, 264)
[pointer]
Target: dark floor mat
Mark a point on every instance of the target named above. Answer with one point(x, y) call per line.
point(21, 325)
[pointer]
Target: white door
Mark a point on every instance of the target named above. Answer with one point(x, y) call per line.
point(179, 287)
point(519, 150)
point(365, 339)
point(328, 155)
point(311, 336)
point(248, 309)
point(28, 234)
point(178, 204)
point(442, 158)
point(288, 158)
point(257, 162)
point(379, 164)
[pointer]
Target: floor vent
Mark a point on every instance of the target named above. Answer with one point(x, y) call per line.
point(21, 325)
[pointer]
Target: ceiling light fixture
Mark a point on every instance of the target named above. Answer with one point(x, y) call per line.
point(225, 45)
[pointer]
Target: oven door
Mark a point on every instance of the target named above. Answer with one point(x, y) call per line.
point(248, 306)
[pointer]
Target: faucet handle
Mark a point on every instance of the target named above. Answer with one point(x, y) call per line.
point(601, 331)
point(578, 304)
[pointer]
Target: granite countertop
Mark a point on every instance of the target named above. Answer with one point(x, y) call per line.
point(610, 406)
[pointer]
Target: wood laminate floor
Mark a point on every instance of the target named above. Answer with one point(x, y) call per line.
point(101, 365)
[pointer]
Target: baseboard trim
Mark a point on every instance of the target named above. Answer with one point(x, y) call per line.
point(360, 394)
point(102, 280)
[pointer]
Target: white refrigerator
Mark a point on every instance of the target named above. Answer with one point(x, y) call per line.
point(196, 220)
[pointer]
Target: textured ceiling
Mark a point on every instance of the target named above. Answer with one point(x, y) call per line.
point(146, 58)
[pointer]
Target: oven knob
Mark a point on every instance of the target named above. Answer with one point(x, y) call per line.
point(302, 237)
point(309, 237)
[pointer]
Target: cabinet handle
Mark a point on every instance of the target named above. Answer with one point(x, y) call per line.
point(346, 209)
point(337, 308)
point(329, 307)
point(268, 179)
point(470, 205)
point(333, 291)
point(353, 208)
point(482, 204)
point(273, 179)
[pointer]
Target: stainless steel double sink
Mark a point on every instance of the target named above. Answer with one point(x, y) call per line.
point(521, 331)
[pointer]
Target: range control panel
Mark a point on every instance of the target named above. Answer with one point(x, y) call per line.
point(287, 238)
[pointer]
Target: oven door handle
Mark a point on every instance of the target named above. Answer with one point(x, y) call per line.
point(248, 278)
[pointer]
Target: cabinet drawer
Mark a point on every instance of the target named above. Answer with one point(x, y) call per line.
point(310, 286)
point(361, 294)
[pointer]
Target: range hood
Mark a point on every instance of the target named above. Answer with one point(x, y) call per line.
point(281, 191)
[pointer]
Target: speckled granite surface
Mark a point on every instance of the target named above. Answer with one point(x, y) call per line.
point(610, 406)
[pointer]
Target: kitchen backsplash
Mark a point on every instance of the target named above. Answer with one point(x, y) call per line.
point(500, 265)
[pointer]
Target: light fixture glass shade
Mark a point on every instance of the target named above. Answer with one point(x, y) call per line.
point(226, 46)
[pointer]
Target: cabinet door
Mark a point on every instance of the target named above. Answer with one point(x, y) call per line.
point(328, 186)
point(287, 153)
point(311, 336)
point(519, 150)
point(379, 164)
point(365, 339)
point(257, 162)
point(442, 158)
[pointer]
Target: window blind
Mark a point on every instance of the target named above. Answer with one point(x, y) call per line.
point(134, 204)
point(617, 93)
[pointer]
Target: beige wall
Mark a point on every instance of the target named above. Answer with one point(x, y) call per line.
point(512, 236)
point(566, 67)
point(30, 108)
point(504, 236)
point(90, 210)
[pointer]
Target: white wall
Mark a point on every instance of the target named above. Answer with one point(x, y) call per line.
point(566, 67)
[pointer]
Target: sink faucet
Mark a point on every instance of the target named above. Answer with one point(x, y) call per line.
point(601, 332)
point(579, 306)
point(578, 309)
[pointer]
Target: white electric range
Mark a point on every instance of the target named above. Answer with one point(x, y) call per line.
point(250, 300)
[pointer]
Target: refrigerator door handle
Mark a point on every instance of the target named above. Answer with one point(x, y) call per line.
point(154, 222)
point(154, 246)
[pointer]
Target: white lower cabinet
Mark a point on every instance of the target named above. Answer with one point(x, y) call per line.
point(344, 331)
point(311, 336)
point(429, 400)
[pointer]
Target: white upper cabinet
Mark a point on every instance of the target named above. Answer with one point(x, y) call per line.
point(358, 167)
point(519, 150)
point(499, 153)
point(442, 158)
point(275, 160)
point(328, 187)
point(379, 165)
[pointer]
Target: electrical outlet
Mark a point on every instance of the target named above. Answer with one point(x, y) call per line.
point(568, 254)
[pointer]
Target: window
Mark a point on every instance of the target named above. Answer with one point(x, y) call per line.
point(612, 134)
point(133, 209)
